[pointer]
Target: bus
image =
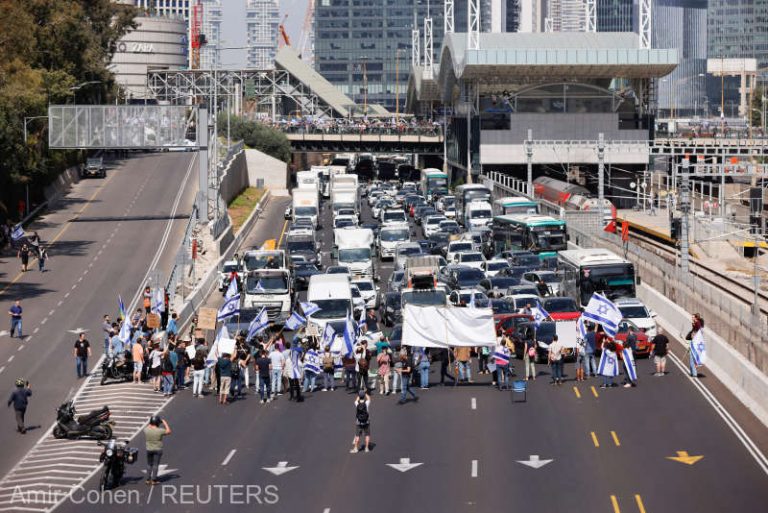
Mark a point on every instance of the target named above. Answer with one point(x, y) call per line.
point(539, 234)
point(596, 270)
point(433, 183)
point(468, 193)
point(515, 205)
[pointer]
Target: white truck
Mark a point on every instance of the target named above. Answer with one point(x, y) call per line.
point(344, 181)
point(344, 199)
point(390, 236)
point(324, 174)
point(271, 289)
point(255, 259)
point(308, 180)
point(478, 214)
point(306, 204)
point(332, 293)
point(354, 247)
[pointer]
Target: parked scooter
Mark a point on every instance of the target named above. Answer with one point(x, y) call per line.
point(95, 424)
point(117, 368)
point(115, 455)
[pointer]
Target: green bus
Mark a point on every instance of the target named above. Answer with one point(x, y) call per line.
point(537, 233)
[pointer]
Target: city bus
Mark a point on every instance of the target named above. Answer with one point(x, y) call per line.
point(515, 205)
point(596, 270)
point(539, 234)
point(467, 193)
point(433, 183)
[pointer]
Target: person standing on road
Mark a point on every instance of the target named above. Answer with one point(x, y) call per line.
point(463, 357)
point(24, 257)
point(155, 366)
point(82, 352)
point(153, 435)
point(405, 378)
point(501, 356)
point(362, 422)
point(659, 352)
point(328, 370)
point(556, 360)
point(276, 370)
point(42, 258)
point(423, 365)
point(264, 368)
point(590, 344)
point(225, 372)
point(168, 371)
point(137, 353)
point(20, 400)
point(384, 360)
point(198, 372)
point(106, 327)
point(529, 359)
point(445, 362)
point(697, 324)
point(15, 312)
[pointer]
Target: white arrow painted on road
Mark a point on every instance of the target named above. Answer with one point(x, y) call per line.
point(77, 331)
point(534, 462)
point(4, 333)
point(405, 465)
point(163, 470)
point(281, 468)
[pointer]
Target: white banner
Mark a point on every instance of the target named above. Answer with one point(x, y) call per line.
point(432, 326)
point(226, 346)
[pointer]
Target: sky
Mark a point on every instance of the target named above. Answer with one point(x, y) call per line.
point(234, 29)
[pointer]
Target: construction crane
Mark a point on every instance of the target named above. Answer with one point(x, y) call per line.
point(197, 39)
point(306, 42)
point(284, 39)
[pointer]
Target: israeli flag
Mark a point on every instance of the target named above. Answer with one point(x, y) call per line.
point(501, 354)
point(231, 290)
point(608, 365)
point(125, 332)
point(699, 349)
point(362, 326)
point(259, 287)
point(328, 335)
point(629, 363)
point(121, 307)
point(581, 328)
point(539, 314)
point(602, 310)
point(349, 336)
point(17, 233)
point(309, 308)
point(230, 308)
point(158, 301)
point(295, 321)
point(312, 362)
point(258, 324)
point(472, 303)
point(296, 366)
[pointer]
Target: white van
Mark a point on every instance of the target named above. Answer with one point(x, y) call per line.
point(332, 293)
point(478, 214)
point(390, 236)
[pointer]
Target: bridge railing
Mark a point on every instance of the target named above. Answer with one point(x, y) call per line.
point(429, 131)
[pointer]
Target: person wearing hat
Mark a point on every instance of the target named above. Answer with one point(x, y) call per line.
point(362, 422)
point(153, 435)
point(20, 399)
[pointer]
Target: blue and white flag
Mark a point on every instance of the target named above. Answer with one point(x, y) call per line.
point(258, 324)
point(539, 314)
point(501, 355)
point(312, 362)
point(125, 332)
point(295, 321)
point(362, 326)
point(309, 308)
point(472, 303)
point(230, 308)
point(581, 328)
point(158, 300)
point(296, 365)
point(231, 290)
point(629, 363)
point(699, 349)
point(214, 353)
point(328, 335)
point(602, 310)
point(121, 307)
point(349, 336)
point(608, 365)
point(17, 233)
point(259, 287)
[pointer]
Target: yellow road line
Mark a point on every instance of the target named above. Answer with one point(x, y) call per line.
point(576, 391)
point(615, 438)
point(615, 504)
point(61, 232)
point(594, 439)
point(640, 505)
point(282, 233)
point(594, 391)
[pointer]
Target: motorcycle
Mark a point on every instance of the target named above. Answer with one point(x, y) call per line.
point(115, 368)
point(95, 424)
point(113, 457)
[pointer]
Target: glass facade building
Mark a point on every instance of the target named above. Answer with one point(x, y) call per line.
point(615, 15)
point(263, 20)
point(738, 29)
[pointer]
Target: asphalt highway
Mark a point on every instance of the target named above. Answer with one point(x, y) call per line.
point(588, 449)
point(102, 238)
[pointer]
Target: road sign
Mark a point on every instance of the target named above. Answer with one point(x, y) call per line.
point(206, 319)
point(534, 462)
point(684, 457)
point(405, 465)
point(281, 468)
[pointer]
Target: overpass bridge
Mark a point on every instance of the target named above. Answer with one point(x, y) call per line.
point(419, 142)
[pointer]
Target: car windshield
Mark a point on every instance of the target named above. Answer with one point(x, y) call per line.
point(439, 237)
point(343, 223)
point(434, 220)
point(300, 245)
point(500, 306)
point(533, 291)
point(480, 214)
point(331, 308)
point(397, 277)
point(550, 278)
point(394, 216)
point(394, 235)
point(266, 284)
point(424, 297)
point(354, 255)
point(461, 246)
point(409, 251)
point(496, 266)
point(305, 211)
point(634, 312)
point(356, 292)
point(470, 257)
point(531, 260)
point(444, 225)
point(365, 285)
point(560, 304)
point(228, 268)
point(469, 277)
point(504, 282)
point(393, 301)
point(304, 266)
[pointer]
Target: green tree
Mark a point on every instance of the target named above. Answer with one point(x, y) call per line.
point(257, 136)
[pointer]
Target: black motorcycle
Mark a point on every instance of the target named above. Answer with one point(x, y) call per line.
point(113, 457)
point(95, 424)
point(116, 369)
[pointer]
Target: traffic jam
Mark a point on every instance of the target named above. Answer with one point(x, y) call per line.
point(359, 247)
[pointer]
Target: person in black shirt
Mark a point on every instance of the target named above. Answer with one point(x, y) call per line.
point(405, 374)
point(82, 352)
point(263, 367)
point(659, 351)
point(20, 399)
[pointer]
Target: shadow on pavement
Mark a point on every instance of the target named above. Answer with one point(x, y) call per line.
point(69, 248)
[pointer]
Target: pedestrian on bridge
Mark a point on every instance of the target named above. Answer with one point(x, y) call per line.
point(20, 400)
point(82, 351)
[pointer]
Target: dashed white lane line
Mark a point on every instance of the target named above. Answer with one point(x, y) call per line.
point(51, 313)
point(473, 403)
point(74, 286)
point(229, 457)
point(85, 272)
point(44, 321)
point(327, 510)
point(79, 279)
point(66, 295)
point(10, 358)
point(90, 265)
point(20, 347)
point(2, 369)
point(36, 330)
point(474, 468)
point(60, 303)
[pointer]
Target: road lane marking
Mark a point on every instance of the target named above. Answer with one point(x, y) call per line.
point(615, 438)
point(2, 369)
point(66, 295)
point(51, 313)
point(229, 457)
point(594, 439)
point(20, 347)
point(594, 391)
point(60, 303)
point(327, 510)
point(639, 502)
point(473, 403)
point(684, 457)
point(615, 504)
point(282, 233)
point(36, 330)
point(576, 391)
point(74, 286)
point(10, 358)
point(474, 468)
point(44, 320)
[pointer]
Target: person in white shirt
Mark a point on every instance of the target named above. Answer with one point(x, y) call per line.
point(556, 360)
point(276, 373)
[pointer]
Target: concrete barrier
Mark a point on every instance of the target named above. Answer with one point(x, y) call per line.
point(61, 185)
point(737, 373)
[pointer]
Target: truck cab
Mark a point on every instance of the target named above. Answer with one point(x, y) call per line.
point(271, 289)
point(354, 248)
point(332, 294)
point(478, 214)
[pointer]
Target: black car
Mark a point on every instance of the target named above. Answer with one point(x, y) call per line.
point(303, 246)
point(439, 242)
point(391, 310)
point(500, 284)
point(302, 272)
point(462, 277)
point(426, 246)
point(424, 212)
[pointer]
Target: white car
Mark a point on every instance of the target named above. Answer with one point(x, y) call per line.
point(374, 196)
point(636, 311)
point(464, 297)
point(431, 225)
point(519, 301)
point(450, 212)
point(358, 303)
point(471, 259)
point(455, 247)
point(494, 265)
point(449, 225)
point(369, 291)
point(393, 217)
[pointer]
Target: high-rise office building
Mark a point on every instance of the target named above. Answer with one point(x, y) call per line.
point(505, 15)
point(615, 16)
point(738, 29)
point(164, 7)
point(263, 19)
point(567, 15)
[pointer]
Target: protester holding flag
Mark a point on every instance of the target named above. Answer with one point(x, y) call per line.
point(24, 257)
point(696, 347)
point(609, 365)
point(556, 360)
point(311, 369)
point(501, 355)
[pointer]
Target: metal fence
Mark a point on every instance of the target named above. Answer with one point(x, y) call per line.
point(183, 255)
